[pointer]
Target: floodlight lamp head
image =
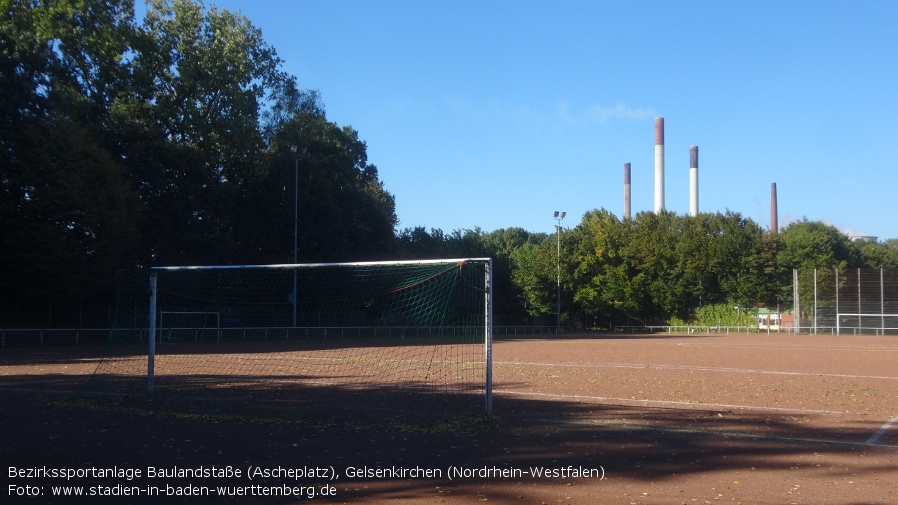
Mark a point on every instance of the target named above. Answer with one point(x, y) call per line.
point(556, 214)
point(294, 148)
point(563, 214)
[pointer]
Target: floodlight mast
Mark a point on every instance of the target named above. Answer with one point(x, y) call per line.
point(558, 217)
point(294, 149)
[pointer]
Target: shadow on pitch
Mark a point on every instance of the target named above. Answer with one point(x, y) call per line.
point(52, 418)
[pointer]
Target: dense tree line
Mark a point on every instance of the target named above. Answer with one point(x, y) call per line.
point(653, 269)
point(662, 268)
point(165, 142)
point(168, 140)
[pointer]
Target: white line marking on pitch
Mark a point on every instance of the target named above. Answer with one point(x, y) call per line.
point(666, 402)
point(726, 434)
point(882, 431)
point(757, 346)
point(697, 368)
point(797, 347)
point(63, 391)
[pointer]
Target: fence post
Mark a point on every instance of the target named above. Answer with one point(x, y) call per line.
point(151, 336)
point(815, 300)
point(795, 301)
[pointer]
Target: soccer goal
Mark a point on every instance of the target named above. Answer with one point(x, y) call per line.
point(381, 328)
point(879, 324)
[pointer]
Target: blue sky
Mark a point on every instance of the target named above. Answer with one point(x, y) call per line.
point(494, 114)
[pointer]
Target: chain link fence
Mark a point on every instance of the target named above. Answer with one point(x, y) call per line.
point(849, 302)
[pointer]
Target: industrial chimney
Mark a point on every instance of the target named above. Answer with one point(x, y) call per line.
point(659, 164)
point(626, 191)
point(693, 180)
point(774, 217)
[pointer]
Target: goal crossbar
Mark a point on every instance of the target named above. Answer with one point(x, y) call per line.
point(290, 266)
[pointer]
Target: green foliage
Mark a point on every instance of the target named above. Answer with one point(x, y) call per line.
point(68, 222)
point(608, 285)
point(809, 245)
point(878, 254)
point(676, 321)
point(813, 244)
point(503, 246)
point(656, 267)
point(662, 266)
point(66, 211)
point(534, 272)
point(722, 314)
point(165, 143)
point(345, 214)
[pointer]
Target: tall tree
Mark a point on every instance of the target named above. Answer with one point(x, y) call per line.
point(658, 266)
point(68, 220)
point(189, 132)
point(500, 245)
point(66, 213)
point(808, 246)
point(652, 250)
point(345, 213)
point(736, 253)
point(602, 278)
point(534, 274)
point(813, 244)
point(878, 254)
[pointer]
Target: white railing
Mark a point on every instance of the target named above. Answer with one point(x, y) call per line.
point(727, 330)
point(27, 337)
point(36, 337)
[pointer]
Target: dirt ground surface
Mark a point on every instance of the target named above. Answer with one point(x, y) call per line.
point(605, 418)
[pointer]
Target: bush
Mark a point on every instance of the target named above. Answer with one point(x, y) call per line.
point(723, 314)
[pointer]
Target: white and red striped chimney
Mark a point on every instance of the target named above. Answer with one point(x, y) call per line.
point(626, 191)
point(693, 180)
point(659, 164)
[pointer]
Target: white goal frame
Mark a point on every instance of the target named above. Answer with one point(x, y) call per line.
point(488, 307)
point(880, 316)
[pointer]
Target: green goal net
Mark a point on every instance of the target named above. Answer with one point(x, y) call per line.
point(395, 335)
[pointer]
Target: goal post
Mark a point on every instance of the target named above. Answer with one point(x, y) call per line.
point(403, 325)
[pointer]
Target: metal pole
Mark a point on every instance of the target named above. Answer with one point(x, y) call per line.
point(815, 301)
point(558, 277)
point(558, 217)
point(151, 354)
point(488, 336)
point(837, 297)
point(295, 228)
point(796, 305)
